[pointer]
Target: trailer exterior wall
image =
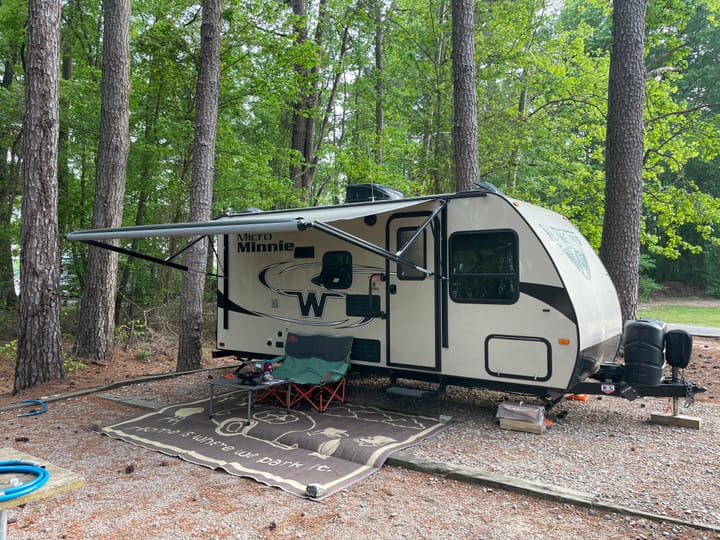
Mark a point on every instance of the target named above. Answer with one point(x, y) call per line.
point(535, 338)
point(515, 342)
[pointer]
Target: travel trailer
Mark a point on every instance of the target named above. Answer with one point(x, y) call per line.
point(472, 289)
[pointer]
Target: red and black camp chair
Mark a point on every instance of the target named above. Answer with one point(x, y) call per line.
point(316, 366)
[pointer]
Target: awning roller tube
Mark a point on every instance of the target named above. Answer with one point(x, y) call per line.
point(318, 218)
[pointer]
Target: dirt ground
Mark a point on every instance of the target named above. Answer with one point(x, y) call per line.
point(131, 493)
point(127, 365)
point(704, 368)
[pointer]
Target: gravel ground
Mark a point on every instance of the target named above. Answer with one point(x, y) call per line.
point(605, 447)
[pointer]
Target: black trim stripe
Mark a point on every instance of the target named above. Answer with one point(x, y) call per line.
point(557, 297)
point(226, 305)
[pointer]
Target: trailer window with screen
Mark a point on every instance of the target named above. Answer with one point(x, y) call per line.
point(484, 267)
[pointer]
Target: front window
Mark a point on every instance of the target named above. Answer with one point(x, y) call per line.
point(484, 267)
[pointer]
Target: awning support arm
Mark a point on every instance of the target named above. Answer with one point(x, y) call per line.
point(136, 254)
point(150, 258)
point(363, 244)
point(192, 243)
point(185, 248)
point(421, 228)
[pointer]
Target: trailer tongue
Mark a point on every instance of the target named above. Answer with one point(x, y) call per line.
point(675, 386)
point(648, 347)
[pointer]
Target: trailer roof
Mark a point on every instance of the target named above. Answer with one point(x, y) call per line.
point(273, 221)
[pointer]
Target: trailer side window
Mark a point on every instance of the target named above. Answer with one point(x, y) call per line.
point(484, 267)
point(415, 253)
point(336, 270)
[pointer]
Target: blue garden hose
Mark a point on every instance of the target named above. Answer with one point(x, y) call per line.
point(28, 467)
point(42, 409)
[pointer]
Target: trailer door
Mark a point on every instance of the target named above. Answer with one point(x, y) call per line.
point(412, 307)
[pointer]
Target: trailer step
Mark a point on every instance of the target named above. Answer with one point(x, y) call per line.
point(406, 391)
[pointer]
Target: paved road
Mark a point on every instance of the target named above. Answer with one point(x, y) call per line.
point(700, 331)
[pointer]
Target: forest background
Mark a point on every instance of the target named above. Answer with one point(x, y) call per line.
point(371, 82)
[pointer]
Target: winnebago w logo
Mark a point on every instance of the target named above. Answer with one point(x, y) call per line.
point(311, 303)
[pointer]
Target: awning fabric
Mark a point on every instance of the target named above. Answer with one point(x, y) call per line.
point(325, 219)
point(274, 221)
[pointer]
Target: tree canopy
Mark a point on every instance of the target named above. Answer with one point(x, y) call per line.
point(542, 79)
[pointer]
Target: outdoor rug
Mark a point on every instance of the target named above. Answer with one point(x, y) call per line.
point(301, 451)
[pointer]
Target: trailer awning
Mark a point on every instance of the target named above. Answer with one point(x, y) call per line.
point(273, 221)
point(325, 219)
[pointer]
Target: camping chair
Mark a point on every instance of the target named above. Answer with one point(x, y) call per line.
point(316, 366)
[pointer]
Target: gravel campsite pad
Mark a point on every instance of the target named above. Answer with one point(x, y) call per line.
point(666, 478)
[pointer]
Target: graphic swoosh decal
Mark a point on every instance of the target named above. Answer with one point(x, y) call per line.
point(307, 303)
point(224, 302)
point(557, 297)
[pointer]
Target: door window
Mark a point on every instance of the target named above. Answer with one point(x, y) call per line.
point(415, 253)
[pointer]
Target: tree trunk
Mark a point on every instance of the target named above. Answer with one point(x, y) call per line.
point(304, 113)
point(327, 115)
point(208, 90)
point(522, 118)
point(379, 82)
point(65, 175)
point(302, 106)
point(96, 325)
point(465, 130)
point(10, 175)
point(436, 145)
point(10, 179)
point(39, 350)
point(128, 267)
point(147, 162)
point(620, 248)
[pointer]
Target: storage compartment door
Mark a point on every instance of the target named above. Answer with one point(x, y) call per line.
point(518, 357)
